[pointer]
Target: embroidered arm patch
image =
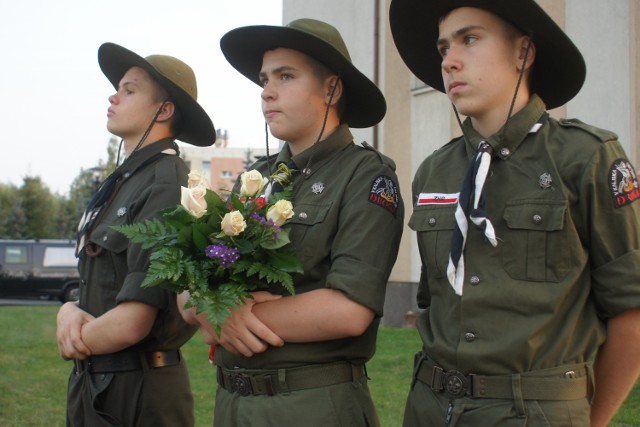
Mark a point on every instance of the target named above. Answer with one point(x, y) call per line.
point(623, 183)
point(384, 193)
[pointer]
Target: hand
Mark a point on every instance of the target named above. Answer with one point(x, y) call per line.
point(242, 332)
point(70, 321)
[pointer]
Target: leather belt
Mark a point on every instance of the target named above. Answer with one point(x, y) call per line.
point(127, 360)
point(270, 382)
point(563, 383)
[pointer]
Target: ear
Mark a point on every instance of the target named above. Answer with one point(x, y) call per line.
point(522, 43)
point(166, 112)
point(331, 82)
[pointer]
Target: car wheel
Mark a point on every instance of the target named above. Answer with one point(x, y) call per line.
point(72, 293)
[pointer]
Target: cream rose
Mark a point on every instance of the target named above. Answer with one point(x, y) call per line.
point(233, 223)
point(252, 183)
point(192, 199)
point(280, 212)
point(197, 178)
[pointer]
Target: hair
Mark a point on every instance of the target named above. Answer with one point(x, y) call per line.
point(160, 94)
point(323, 72)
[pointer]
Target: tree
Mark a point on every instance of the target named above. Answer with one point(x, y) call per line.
point(8, 201)
point(37, 205)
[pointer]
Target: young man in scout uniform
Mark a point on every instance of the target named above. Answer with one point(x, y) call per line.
point(299, 360)
point(530, 265)
point(126, 339)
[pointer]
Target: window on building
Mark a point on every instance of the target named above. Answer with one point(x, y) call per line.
point(227, 174)
point(206, 168)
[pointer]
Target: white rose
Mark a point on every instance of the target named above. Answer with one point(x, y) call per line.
point(252, 183)
point(280, 212)
point(233, 223)
point(192, 199)
point(197, 178)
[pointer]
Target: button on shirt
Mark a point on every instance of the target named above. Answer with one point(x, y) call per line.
point(566, 256)
point(344, 241)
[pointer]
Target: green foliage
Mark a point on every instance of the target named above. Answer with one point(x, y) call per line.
point(31, 211)
point(218, 267)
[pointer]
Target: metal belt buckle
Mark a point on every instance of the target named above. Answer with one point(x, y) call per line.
point(456, 384)
point(241, 384)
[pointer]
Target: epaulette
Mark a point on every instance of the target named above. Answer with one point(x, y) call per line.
point(602, 135)
point(383, 159)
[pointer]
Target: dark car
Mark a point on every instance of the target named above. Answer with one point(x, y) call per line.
point(42, 268)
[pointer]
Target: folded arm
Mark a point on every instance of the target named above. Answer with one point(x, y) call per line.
point(81, 335)
point(617, 366)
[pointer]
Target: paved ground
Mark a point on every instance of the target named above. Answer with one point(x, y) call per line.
point(28, 301)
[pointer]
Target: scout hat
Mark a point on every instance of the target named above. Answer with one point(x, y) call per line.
point(558, 71)
point(244, 48)
point(175, 77)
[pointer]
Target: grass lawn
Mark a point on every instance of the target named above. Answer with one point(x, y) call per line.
point(34, 378)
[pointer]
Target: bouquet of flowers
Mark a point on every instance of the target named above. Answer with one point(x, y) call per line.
point(219, 249)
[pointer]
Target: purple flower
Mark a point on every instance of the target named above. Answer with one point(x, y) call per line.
point(225, 255)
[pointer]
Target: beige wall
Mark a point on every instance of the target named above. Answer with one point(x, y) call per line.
point(419, 119)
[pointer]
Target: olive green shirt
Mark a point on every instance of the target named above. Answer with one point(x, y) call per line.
point(117, 273)
point(346, 231)
point(562, 203)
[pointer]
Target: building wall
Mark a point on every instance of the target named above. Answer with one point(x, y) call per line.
point(363, 29)
point(420, 119)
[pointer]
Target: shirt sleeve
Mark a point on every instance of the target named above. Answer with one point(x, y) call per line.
point(164, 192)
point(370, 224)
point(610, 192)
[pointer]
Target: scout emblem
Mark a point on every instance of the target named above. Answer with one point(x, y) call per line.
point(545, 181)
point(122, 211)
point(317, 187)
point(623, 183)
point(384, 193)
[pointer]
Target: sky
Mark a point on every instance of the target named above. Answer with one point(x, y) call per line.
point(55, 97)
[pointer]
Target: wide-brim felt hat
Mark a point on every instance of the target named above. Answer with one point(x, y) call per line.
point(244, 48)
point(176, 77)
point(558, 71)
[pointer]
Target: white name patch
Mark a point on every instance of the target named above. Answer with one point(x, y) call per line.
point(437, 199)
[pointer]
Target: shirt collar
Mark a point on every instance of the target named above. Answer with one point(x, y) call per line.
point(144, 153)
point(505, 143)
point(314, 157)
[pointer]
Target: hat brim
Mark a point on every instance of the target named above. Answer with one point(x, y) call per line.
point(244, 48)
point(196, 127)
point(558, 72)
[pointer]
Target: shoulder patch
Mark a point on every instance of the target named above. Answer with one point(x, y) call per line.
point(384, 193)
point(623, 183)
point(601, 134)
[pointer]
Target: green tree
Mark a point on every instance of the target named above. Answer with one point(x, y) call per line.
point(37, 205)
point(8, 201)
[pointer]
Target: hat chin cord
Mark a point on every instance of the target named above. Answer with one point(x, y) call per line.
point(144, 136)
point(513, 99)
point(306, 171)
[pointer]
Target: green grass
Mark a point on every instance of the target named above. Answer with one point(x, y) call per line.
point(33, 380)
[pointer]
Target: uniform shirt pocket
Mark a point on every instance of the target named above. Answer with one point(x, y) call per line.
point(434, 226)
point(535, 246)
point(111, 265)
point(308, 225)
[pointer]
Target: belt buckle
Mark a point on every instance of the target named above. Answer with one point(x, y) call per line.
point(455, 383)
point(241, 384)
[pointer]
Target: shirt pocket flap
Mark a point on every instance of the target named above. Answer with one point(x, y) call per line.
point(432, 218)
point(108, 238)
point(542, 215)
point(309, 214)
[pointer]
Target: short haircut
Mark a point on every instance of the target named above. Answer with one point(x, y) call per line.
point(160, 94)
point(323, 72)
